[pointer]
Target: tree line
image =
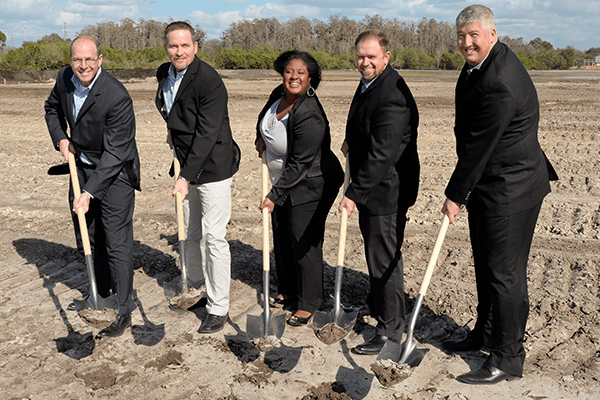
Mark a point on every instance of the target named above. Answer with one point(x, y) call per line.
point(251, 44)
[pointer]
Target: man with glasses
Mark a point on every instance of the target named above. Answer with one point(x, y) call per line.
point(98, 112)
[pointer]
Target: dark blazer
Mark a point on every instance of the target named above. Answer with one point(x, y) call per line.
point(199, 124)
point(501, 168)
point(104, 130)
point(310, 163)
point(381, 134)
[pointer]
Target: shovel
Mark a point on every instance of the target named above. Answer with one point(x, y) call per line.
point(93, 300)
point(266, 324)
point(178, 293)
point(409, 354)
point(333, 326)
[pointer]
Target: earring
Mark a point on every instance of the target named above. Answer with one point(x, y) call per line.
point(283, 90)
point(310, 92)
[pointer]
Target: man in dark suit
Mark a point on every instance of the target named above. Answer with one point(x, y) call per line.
point(98, 112)
point(502, 178)
point(381, 141)
point(192, 99)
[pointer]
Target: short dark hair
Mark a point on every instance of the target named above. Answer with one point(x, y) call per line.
point(314, 69)
point(373, 34)
point(93, 39)
point(178, 25)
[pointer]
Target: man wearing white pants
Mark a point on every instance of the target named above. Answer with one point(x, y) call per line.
point(208, 257)
point(192, 99)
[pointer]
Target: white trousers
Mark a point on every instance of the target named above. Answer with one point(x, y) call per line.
point(206, 213)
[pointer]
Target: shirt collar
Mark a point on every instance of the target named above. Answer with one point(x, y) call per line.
point(367, 84)
point(478, 66)
point(79, 87)
point(177, 75)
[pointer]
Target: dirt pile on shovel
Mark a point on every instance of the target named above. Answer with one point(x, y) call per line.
point(98, 319)
point(266, 343)
point(186, 298)
point(330, 333)
point(389, 373)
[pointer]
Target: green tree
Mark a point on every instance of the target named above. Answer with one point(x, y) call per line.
point(2, 39)
point(37, 56)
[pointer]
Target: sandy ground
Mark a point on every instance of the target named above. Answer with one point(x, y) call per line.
point(48, 352)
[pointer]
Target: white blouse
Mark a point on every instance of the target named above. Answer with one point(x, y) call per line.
point(274, 133)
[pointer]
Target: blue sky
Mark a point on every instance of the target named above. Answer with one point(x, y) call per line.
point(561, 22)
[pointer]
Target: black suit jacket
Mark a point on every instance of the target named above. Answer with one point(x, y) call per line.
point(381, 134)
point(199, 124)
point(501, 168)
point(104, 130)
point(310, 166)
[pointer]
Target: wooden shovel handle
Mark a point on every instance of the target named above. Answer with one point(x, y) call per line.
point(344, 218)
point(265, 211)
point(179, 203)
point(435, 254)
point(85, 238)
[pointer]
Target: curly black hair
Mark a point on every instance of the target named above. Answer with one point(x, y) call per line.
point(314, 69)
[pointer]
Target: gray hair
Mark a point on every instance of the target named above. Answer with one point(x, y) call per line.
point(476, 13)
point(93, 39)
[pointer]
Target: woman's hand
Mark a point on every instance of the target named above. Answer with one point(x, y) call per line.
point(268, 204)
point(260, 146)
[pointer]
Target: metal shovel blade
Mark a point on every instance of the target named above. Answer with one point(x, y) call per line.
point(266, 324)
point(339, 320)
point(395, 352)
point(409, 354)
point(92, 300)
point(108, 303)
point(255, 326)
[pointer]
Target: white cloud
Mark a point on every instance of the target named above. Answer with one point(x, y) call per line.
point(559, 22)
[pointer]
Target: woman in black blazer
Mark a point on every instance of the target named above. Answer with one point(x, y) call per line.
point(306, 177)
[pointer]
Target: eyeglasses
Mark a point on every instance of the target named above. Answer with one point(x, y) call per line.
point(88, 61)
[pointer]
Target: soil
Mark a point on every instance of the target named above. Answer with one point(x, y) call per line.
point(330, 333)
point(186, 298)
point(49, 352)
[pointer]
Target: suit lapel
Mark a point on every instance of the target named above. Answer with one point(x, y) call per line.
point(188, 78)
point(91, 98)
point(69, 90)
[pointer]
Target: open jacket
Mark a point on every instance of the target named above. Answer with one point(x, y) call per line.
point(381, 134)
point(104, 130)
point(310, 163)
point(199, 124)
point(501, 169)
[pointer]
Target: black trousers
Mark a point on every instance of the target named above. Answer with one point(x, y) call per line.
point(500, 250)
point(383, 236)
point(110, 228)
point(298, 233)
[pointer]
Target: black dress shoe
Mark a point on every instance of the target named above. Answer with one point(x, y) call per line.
point(467, 344)
point(199, 304)
point(371, 346)
point(117, 328)
point(213, 323)
point(486, 375)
